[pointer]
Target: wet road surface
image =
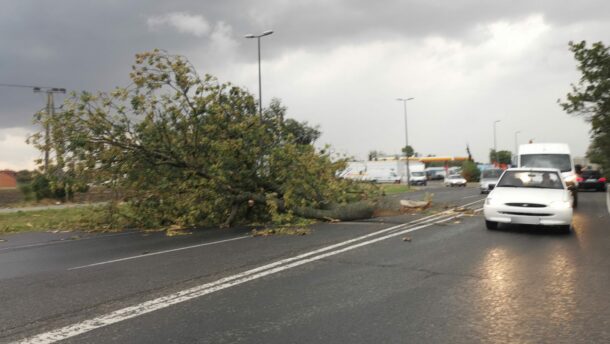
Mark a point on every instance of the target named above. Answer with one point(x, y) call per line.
point(454, 281)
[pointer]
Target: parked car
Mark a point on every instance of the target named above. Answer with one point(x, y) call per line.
point(489, 178)
point(534, 196)
point(455, 180)
point(591, 179)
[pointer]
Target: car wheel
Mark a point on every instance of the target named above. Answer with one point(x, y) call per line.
point(565, 229)
point(491, 224)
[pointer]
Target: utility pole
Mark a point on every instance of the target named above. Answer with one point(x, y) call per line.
point(50, 115)
point(50, 108)
point(404, 101)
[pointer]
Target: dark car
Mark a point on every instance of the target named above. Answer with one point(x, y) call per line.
point(591, 180)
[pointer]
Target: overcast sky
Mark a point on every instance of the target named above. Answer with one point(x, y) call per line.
point(337, 64)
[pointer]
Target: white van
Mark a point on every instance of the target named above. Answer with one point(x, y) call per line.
point(550, 155)
point(418, 175)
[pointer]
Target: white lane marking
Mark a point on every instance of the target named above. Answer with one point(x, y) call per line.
point(204, 289)
point(297, 257)
point(470, 196)
point(159, 252)
point(422, 220)
point(66, 240)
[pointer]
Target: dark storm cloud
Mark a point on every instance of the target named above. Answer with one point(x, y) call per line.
point(90, 45)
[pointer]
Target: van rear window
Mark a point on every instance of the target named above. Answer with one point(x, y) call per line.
point(559, 161)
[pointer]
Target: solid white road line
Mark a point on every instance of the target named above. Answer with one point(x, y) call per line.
point(470, 196)
point(204, 289)
point(159, 252)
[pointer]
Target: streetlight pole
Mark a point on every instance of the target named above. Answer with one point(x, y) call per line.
point(495, 146)
point(404, 102)
point(516, 143)
point(260, 92)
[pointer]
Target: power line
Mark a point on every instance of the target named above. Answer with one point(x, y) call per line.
point(36, 88)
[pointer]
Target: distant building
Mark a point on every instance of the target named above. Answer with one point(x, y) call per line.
point(8, 179)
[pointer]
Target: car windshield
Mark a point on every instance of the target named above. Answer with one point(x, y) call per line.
point(491, 174)
point(455, 177)
point(417, 174)
point(531, 179)
point(559, 161)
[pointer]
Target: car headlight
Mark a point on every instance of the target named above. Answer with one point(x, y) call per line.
point(489, 201)
point(561, 204)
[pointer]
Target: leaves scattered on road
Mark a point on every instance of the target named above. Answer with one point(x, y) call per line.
point(280, 231)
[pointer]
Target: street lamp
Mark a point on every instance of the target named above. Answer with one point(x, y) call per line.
point(404, 101)
point(260, 92)
point(495, 146)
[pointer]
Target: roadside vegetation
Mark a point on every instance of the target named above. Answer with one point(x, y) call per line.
point(590, 98)
point(82, 218)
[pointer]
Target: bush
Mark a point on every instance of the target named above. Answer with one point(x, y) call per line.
point(470, 171)
point(27, 191)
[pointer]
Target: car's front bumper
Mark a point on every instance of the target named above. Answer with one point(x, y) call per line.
point(547, 216)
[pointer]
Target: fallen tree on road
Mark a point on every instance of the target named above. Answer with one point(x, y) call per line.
point(187, 150)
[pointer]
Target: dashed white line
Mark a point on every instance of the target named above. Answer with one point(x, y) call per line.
point(65, 241)
point(158, 252)
point(208, 288)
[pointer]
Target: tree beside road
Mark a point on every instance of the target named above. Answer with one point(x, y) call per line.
point(590, 97)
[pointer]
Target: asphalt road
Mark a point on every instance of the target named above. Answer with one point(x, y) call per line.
point(359, 282)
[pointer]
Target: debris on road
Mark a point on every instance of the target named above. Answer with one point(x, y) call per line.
point(177, 230)
point(280, 231)
point(407, 238)
point(407, 203)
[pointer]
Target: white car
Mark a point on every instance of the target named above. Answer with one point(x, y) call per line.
point(455, 180)
point(530, 196)
point(489, 178)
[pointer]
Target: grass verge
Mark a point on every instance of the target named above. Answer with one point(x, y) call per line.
point(391, 189)
point(82, 218)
